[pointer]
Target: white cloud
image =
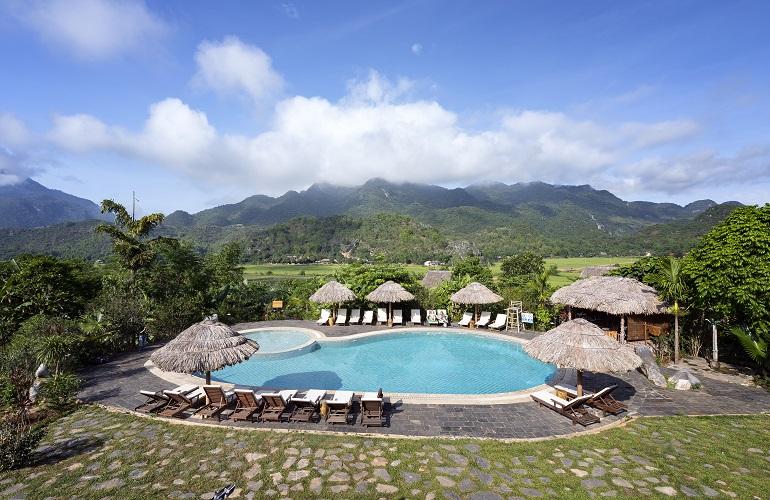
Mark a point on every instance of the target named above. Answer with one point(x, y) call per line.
point(91, 29)
point(233, 67)
point(290, 10)
point(13, 132)
point(14, 167)
point(377, 130)
point(416, 49)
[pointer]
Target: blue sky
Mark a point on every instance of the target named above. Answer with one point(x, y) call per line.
point(194, 104)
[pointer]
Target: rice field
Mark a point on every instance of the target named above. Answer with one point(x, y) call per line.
point(569, 268)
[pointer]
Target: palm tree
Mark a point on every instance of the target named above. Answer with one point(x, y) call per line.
point(541, 285)
point(672, 286)
point(129, 235)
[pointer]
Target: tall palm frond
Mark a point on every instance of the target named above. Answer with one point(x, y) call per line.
point(754, 345)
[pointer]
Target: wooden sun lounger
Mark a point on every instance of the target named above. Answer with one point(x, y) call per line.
point(372, 410)
point(355, 316)
point(248, 405)
point(601, 400)
point(573, 409)
point(179, 403)
point(306, 407)
point(416, 317)
point(277, 406)
point(368, 318)
point(324, 319)
point(158, 399)
point(339, 407)
point(219, 400)
point(484, 319)
point(466, 319)
point(431, 317)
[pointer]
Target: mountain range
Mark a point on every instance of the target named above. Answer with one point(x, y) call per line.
point(30, 204)
point(403, 222)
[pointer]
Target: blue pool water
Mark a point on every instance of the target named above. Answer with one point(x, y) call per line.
point(414, 362)
point(278, 340)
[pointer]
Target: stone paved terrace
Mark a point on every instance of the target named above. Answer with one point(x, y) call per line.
point(117, 383)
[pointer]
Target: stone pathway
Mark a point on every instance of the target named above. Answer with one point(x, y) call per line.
point(95, 453)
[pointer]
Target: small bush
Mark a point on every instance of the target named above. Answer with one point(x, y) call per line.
point(17, 442)
point(59, 391)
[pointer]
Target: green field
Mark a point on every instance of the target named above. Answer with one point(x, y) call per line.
point(569, 268)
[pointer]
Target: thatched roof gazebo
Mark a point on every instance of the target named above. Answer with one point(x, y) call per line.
point(204, 347)
point(333, 292)
point(475, 294)
point(613, 295)
point(581, 345)
point(388, 293)
point(433, 278)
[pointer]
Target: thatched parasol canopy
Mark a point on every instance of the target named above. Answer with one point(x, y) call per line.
point(204, 347)
point(333, 293)
point(581, 345)
point(390, 292)
point(610, 294)
point(475, 293)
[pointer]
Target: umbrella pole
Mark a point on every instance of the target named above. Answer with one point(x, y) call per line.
point(208, 378)
point(579, 383)
point(390, 314)
point(476, 319)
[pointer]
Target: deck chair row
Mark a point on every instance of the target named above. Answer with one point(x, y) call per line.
point(432, 317)
point(485, 320)
point(246, 405)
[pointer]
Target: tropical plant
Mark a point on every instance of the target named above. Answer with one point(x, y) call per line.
point(755, 343)
point(730, 272)
point(18, 441)
point(673, 288)
point(18, 363)
point(59, 390)
point(129, 235)
point(473, 268)
point(518, 269)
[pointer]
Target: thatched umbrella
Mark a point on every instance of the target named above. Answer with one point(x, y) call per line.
point(475, 294)
point(390, 292)
point(333, 292)
point(610, 294)
point(581, 345)
point(204, 347)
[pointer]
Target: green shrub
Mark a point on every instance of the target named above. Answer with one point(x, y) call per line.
point(59, 391)
point(17, 442)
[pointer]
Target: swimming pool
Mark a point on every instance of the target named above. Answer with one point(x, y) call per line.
point(404, 362)
point(278, 340)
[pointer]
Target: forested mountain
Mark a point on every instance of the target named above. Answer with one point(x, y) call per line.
point(412, 222)
point(29, 204)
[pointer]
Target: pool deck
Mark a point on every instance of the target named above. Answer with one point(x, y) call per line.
point(117, 384)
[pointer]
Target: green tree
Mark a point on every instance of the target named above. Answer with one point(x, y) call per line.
point(519, 268)
point(39, 284)
point(130, 236)
point(473, 268)
point(673, 288)
point(730, 272)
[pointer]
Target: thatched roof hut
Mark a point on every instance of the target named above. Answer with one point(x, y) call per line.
point(581, 345)
point(333, 292)
point(589, 271)
point(432, 279)
point(390, 292)
point(204, 347)
point(610, 294)
point(475, 293)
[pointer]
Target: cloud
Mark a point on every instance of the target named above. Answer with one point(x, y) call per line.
point(379, 129)
point(91, 29)
point(14, 167)
point(290, 10)
point(13, 132)
point(416, 49)
point(233, 67)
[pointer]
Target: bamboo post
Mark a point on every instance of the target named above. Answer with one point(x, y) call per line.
point(715, 345)
point(579, 383)
point(622, 336)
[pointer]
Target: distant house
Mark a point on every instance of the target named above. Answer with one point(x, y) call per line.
point(431, 263)
point(597, 270)
point(432, 279)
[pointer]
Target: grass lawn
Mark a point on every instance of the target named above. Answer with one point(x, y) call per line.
point(93, 453)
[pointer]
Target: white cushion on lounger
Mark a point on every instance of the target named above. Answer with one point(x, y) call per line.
point(183, 389)
point(342, 397)
point(313, 396)
point(151, 394)
point(370, 396)
point(570, 389)
point(287, 394)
